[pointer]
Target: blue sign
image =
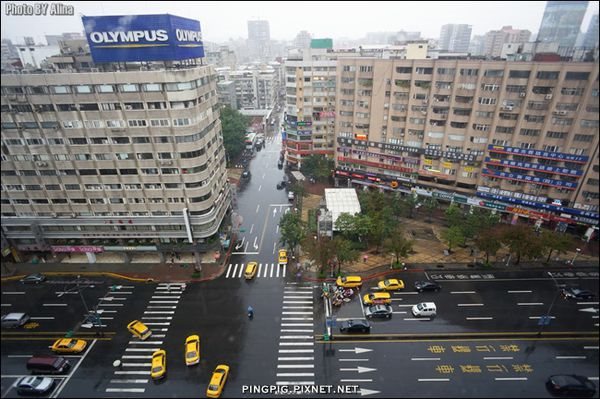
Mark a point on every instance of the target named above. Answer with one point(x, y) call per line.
point(162, 37)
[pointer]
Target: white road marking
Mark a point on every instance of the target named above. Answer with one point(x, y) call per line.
point(47, 318)
point(511, 379)
point(111, 304)
point(462, 292)
point(131, 373)
point(159, 312)
point(146, 342)
point(294, 383)
point(590, 347)
point(296, 350)
point(165, 297)
point(433, 379)
point(128, 381)
point(357, 380)
point(530, 303)
point(157, 324)
point(425, 358)
point(257, 208)
point(520, 292)
point(241, 270)
point(296, 337)
point(132, 390)
point(161, 307)
point(283, 359)
point(296, 318)
point(56, 304)
point(296, 325)
point(163, 302)
point(570, 357)
point(272, 266)
point(136, 364)
point(157, 318)
point(295, 374)
point(353, 360)
point(136, 357)
point(479, 318)
point(498, 358)
point(284, 268)
point(141, 349)
point(470, 304)
point(296, 344)
point(295, 366)
point(13, 293)
point(72, 373)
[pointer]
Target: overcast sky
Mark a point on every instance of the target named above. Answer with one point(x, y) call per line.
point(221, 21)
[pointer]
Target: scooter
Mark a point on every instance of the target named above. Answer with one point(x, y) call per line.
point(250, 312)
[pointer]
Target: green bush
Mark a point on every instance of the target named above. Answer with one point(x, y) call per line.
point(196, 275)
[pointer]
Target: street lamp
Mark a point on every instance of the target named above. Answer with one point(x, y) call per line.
point(577, 252)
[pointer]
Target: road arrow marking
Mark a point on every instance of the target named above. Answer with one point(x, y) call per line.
point(360, 369)
point(356, 350)
point(240, 244)
point(274, 211)
point(365, 392)
point(255, 245)
point(592, 310)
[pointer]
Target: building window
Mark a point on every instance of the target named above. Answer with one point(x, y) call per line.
point(577, 76)
point(105, 88)
point(129, 88)
point(519, 74)
point(572, 91)
point(84, 89)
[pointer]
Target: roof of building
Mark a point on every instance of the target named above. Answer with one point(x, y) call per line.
point(341, 200)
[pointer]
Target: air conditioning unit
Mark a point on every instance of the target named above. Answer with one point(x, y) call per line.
point(522, 94)
point(166, 162)
point(94, 70)
point(41, 164)
point(548, 96)
point(507, 108)
point(562, 112)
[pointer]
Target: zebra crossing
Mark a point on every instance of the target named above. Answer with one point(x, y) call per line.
point(136, 361)
point(296, 354)
point(265, 270)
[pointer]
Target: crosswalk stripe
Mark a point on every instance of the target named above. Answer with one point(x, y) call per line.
point(228, 270)
point(266, 269)
point(284, 269)
point(141, 349)
point(234, 270)
point(128, 381)
point(136, 364)
point(131, 372)
point(259, 269)
point(295, 374)
point(272, 266)
point(296, 344)
point(296, 351)
point(241, 270)
point(294, 383)
point(132, 390)
point(296, 337)
point(146, 342)
point(277, 275)
point(292, 359)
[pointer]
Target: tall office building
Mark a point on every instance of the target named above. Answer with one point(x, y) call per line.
point(591, 36)
point(455, 37)
point(259, 40)
point(105, 159)
point(524, 134)
point(561, 22)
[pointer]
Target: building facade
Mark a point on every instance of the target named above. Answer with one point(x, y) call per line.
point(520, 134)
point(259, 40)
point(310, 104)
point(112, 158)
point(495, 39)
point(561, 22)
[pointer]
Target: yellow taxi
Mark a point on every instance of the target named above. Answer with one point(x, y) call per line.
point(69, 345)
point(139, 329)
point(192, 350)
point(283, 257)
point(349, 281)
point(377, 298)
point(391, 285)
point(250, 271)
point(159, 364)
point(217, 381)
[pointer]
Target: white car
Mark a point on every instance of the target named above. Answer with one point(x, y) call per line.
point(291, 196)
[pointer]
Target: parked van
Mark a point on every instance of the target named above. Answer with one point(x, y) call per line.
point(424, 309)
point(14, 320)
point(48, 365)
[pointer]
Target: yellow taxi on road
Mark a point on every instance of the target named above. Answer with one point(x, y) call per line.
point(192, 350)
point(159, 364)
point(69, 345)
point(217, 381)
point(250, 271)
point(377, 298)
point(283, 260)
point(349, 281)
point(139, 329)
point(391, 285)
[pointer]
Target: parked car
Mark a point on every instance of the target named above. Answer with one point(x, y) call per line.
point(427, 286)
point(281, 185)
point(280, 164)
point(14, 320)
point(379, 311)
point(570, 385)
point(355, 325)
point(291, 196)
point(576, 293)
point(34, 278)
point(246, 175)
point(34, 385)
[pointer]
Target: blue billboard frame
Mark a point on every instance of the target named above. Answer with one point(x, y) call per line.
point(162, 37)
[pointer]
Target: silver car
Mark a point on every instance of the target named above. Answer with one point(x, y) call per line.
point(14, 320)
point(34, 385)
point(379, 311)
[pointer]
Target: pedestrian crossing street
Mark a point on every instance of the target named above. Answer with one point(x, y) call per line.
point(265, 270)
point(134, 371)
point(296, 354)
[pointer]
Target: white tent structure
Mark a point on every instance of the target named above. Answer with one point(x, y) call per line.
point(341, 200)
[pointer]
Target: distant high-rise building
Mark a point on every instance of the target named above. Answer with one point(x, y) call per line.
point(562, 21)
point(28, 40)
point(403, 36)
point(302, 39)
point(495, 39)
point(259, 39)
point(455, 37)
point(591, 36)
point(477, 45)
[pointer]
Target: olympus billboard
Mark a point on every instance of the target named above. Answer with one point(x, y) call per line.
point(162, 37)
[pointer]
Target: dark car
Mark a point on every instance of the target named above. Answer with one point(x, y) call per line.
point(35, 278)
point(246, 174)
point(281, 185)
point(379, 312)
point(427, 286)
point(576, 293)
point(34, 385)
point(570, 385)
point(280, 164)
point(355, 325)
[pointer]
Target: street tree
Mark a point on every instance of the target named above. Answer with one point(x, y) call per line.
point(344, 252)
point(453, 236)
point(430, 204)
point(319, 249)
point(454, 215)
point(552, 241)
point(292, 230)
point(318, 166)
point(398, 245)
point(489, 242)
point(409, 205)
point(478, 220)
point(234, 126)
point(346, 225)
point(521, 241)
